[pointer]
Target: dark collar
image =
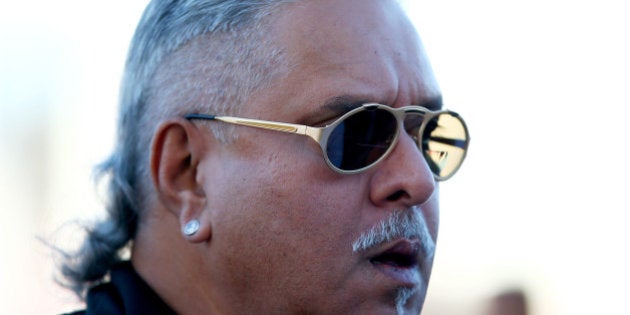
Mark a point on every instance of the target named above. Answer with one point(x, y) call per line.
point(126, 293)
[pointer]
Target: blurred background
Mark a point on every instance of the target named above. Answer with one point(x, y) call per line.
point(535, 220)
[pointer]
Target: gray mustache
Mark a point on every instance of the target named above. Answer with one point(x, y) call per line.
point(400, 224)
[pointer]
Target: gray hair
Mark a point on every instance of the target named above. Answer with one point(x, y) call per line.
point(164, 78)
point(399, 224)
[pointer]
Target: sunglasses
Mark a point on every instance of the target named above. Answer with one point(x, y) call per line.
point(364, 136)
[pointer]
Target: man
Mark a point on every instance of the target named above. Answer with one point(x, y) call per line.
point(234, 216)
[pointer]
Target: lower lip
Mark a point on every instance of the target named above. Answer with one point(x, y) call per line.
point(407, 276)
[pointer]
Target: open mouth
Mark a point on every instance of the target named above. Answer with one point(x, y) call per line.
point(396, 259)
point(400, 262)
point(403, 254)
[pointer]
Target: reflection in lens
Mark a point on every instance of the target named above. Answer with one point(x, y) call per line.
point(361, 139)
point(444, 144)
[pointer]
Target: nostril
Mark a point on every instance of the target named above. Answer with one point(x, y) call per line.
point(397, 195)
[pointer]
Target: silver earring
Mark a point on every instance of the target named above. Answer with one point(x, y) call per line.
point(191, 227)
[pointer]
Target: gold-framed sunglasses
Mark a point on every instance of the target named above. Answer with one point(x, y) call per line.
point(366, 135)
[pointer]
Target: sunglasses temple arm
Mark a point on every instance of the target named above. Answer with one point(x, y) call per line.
point(312, 132)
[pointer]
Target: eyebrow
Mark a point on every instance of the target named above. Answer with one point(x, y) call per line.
point(333, 107)
point(434, 103)
point(341, 104)
point(345, 103)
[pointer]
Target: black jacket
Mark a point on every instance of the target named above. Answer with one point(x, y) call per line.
point(126, 293)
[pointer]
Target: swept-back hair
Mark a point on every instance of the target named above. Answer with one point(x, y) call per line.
point(164, 76)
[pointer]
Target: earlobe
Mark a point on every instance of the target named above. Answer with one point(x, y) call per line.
point(175, 157)
point(195, 224)
point(198, 229)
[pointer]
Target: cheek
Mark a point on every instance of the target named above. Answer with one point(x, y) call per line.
point(312, 209)
point(294, 208)
point(286, 215)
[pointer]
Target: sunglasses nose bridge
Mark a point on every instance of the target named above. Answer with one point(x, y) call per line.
point(402, 132)
point(411, 126)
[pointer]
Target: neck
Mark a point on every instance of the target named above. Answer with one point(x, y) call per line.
point(173, 267)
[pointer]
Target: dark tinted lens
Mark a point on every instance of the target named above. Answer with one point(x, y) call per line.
point(444, 144)
point(361, 139)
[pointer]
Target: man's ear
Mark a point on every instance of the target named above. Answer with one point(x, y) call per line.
point(177, 150)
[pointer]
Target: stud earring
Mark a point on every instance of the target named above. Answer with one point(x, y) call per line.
point(191, 227)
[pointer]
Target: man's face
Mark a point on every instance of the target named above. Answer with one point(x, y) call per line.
point(283, 223)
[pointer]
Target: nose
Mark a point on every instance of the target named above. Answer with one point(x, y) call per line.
point(403, 179)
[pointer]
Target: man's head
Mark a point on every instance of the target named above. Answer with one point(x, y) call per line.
point(279, 230)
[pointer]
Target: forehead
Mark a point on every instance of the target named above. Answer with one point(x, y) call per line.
point(320, 27)
point(366, 49)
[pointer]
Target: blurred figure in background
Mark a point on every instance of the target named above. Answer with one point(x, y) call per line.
point(509, 302)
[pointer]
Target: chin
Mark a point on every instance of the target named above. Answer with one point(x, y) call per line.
point(409, 300)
